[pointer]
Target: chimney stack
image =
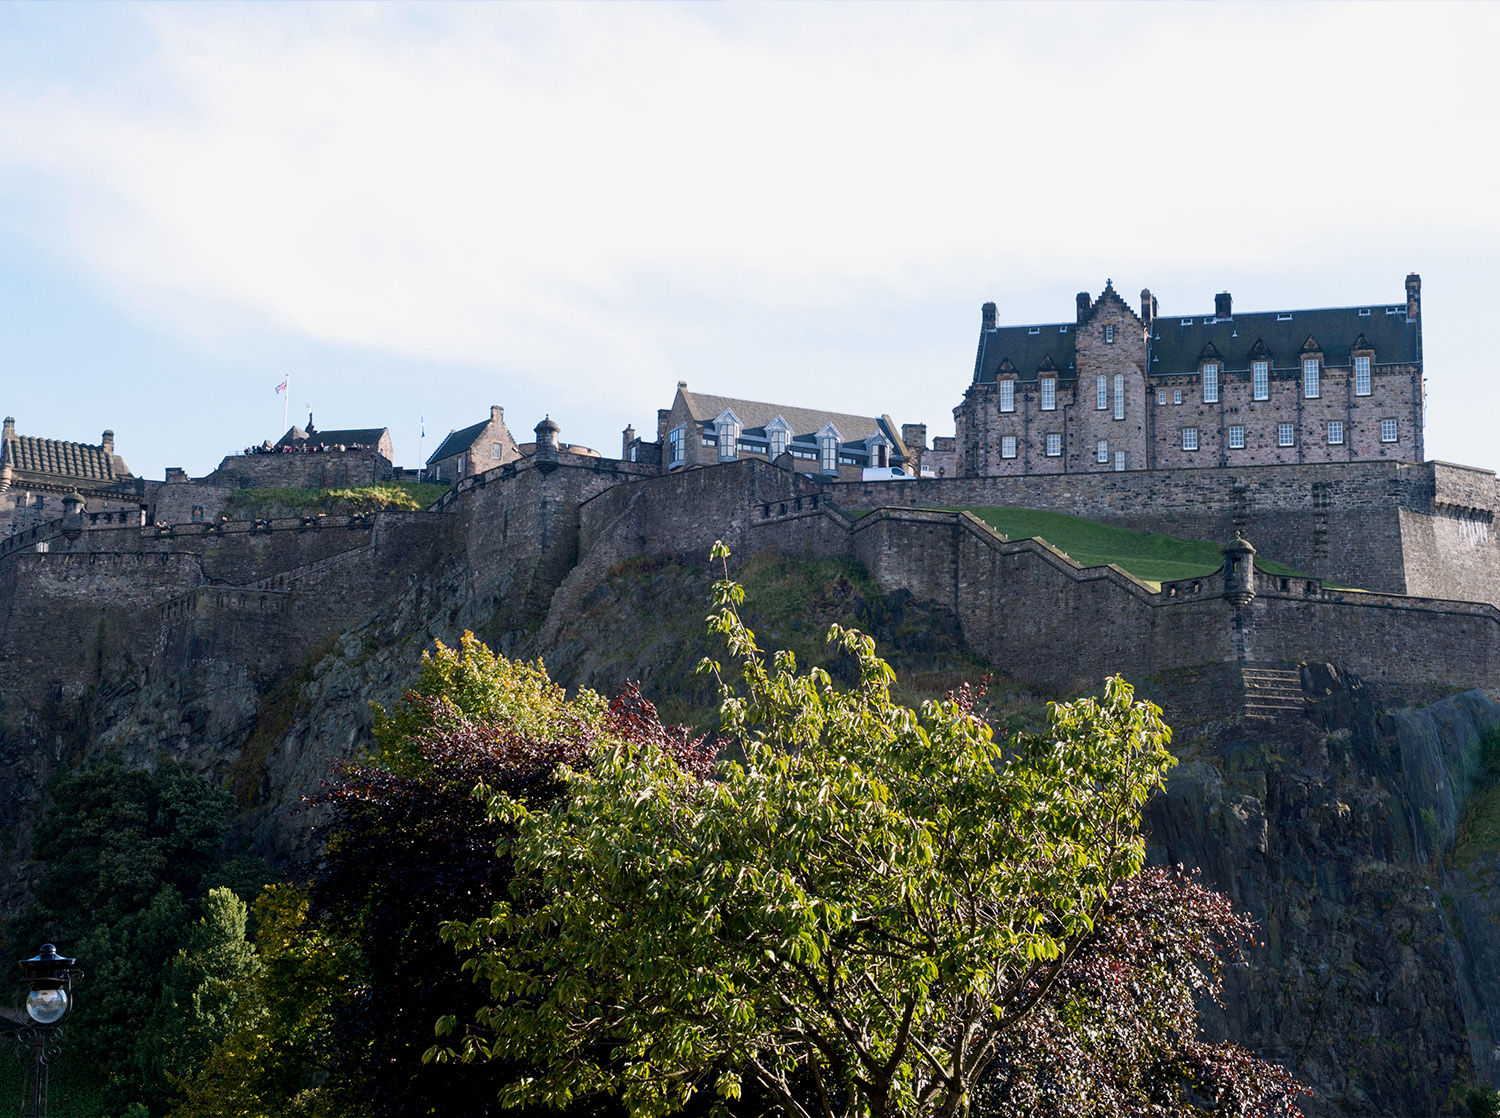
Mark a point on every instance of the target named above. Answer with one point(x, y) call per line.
point(108, 445)
point(10, 427)
point(1085, 303)
point(1148, 306)
point(1223, 305)
point(1413, 297)
point(626, 439)
point(987, 316)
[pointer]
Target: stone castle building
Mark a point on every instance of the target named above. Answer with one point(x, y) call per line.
point(1119, 389)
point(37, 475)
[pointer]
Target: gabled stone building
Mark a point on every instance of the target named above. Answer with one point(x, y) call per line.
point(37, 473)
point(474, 449)
point(1120, 390)
point(703, 430)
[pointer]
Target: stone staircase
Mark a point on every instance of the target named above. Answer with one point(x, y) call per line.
point(1272, 695)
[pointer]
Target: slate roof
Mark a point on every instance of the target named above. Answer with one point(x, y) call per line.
point(457, 442)
point(1178, 341)
point(365, 436)
point(1175, 347)
point(1025, 350)
point(754, 415)
point(60, 459)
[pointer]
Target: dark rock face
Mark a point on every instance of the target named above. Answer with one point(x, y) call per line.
point(1376, 974)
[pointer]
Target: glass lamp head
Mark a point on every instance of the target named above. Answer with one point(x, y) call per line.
point(46, 1007)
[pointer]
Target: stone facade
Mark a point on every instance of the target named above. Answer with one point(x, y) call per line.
point(1116, 390)
point(474, 449)
point(36, 474)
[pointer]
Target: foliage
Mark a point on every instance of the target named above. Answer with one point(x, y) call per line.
point(130, 855)
point(1148, 556)
point(1479, 825)
point(867, 907)
point(1116, 1036)
point(1484, 1102)
point(396, 495)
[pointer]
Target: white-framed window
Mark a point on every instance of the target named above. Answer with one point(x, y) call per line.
point(1101, 451)
point(1176, 395)
point(1236, 437)
point(1260, 376)
point(1210, 383)
point(776, 435)
point(729, 437)
point(1286, 434)
point(1361, 376)
point(1335, 432)
point(496, 451)
point(1310, 378)
point(1101, 392)
point(1388, 430)
point(1054, 446)
point(1119, 461)
point(1049, 393)
point(828, 453)
point(1161, 397)
point(677, 446)
point(1007, 446)
point(1007, 395)
point(1119, 395)
point(1190, 438)
point(1109, 335)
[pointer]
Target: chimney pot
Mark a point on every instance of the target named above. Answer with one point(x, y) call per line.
point(1223, 305)
point(987, 316)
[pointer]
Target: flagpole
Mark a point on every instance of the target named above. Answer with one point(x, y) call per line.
point(286, 403)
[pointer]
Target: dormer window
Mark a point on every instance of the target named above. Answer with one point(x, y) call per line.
point(676, 446)
point(1260, 376)
point(1049, 393)
point(776, 436)
point(1210, 383)
point(1109, 335)
point(828, 449)
point(727, 427)
point(1310, 378)
point(1007, 395)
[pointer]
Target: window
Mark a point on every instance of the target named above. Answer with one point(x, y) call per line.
point(1035, 330)
point(1190, 438)
point(1210, 384)
point(1101, 392)
point(495, 451)
point(1260, 374)
point(1007, 446)
point(1176, 395)
point(1119, 395)
point(1286, 435)
point(1049, 393)
point(1335, 432)
point(1361, 376)
point(729, 437)
point(1161, 397)
point(828, 451)
point(677, 446)
point(1101, 451)
point(1109, 335)
point(1119, 461)
point(1236, 438)
point(1007, 395)
point(1387, 430)
point(1054, 446)
point(1310, 378)
point(778, 442)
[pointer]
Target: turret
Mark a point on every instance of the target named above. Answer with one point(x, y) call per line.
point(1239, 571)
point(72, 525)
point(546, 440)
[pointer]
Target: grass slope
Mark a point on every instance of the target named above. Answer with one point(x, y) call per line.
point(1149, 557)
point(399, 495)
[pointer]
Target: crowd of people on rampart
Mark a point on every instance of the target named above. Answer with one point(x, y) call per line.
point(304, 448)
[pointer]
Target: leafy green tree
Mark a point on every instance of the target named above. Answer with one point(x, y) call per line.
point(853, 920)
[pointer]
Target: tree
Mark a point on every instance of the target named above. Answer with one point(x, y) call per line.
point(855, 919)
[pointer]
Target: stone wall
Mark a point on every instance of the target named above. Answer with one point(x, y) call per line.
point(313, 470)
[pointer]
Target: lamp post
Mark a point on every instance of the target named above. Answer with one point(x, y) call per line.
point(50, 978)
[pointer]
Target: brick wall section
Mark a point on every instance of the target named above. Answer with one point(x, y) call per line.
point(1337, 521)
point(323, 470)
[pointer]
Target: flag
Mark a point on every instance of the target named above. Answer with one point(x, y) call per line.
point(423, 421)
point(280, 388)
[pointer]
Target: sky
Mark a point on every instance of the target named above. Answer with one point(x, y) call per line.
point(414, 212)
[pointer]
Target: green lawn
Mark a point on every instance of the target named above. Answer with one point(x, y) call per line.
point(1149, 557)
point(408, 495)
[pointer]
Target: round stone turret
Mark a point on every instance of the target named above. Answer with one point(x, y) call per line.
point(546, 439)
point(1239, 571)
point(72, 525)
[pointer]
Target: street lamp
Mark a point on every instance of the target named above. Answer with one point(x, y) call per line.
point(50, 978)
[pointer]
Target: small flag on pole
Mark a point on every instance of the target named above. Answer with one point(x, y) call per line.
point(280, 388)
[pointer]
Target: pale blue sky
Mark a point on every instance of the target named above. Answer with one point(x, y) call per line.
point(569, 208)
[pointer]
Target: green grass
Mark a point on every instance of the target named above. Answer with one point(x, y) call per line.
point(1151, 558)
point(398, 495)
